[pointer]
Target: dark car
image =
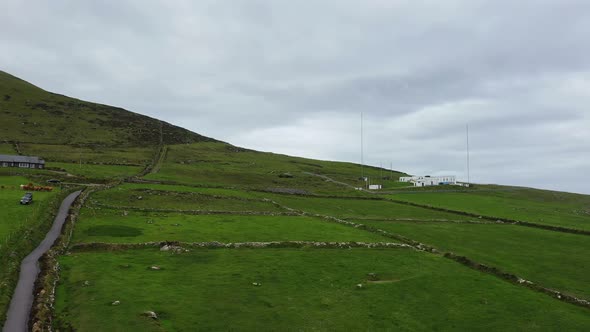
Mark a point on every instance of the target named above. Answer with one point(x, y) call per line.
point(27, 199)
point(55, 181)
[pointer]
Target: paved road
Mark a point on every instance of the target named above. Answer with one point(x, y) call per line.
point(20, 306)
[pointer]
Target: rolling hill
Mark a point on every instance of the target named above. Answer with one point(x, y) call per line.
point(32, 115)
point(177, 231)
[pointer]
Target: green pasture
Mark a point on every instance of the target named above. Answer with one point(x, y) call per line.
point(156, 199)
point(222, 164)
point(230, 193)
point(553, 259)
point(136, 227)
point(14, 215)
point(361, 208)
point(134, 156)
point(299, 289)
point(92, 171)
point(537, 206)
point(7, 149)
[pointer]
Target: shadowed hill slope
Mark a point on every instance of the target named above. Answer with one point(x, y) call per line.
point(32, 115)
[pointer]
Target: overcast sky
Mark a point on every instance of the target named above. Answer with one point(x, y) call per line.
point(294, 76)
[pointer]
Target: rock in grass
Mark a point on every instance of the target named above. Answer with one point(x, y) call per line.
point(155, 268)
point(174, 249)
point(116, 302)
point(257, 284)
point(86, 283)
point(359, 286)
point(373, 276)
point(150, 314)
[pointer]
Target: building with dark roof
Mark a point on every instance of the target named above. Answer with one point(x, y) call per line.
point(21, 161)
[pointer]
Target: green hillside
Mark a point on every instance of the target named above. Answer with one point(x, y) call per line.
point(183, 232)
point(32, 115)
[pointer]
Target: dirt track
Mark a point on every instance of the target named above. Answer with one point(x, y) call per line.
point(20, 306)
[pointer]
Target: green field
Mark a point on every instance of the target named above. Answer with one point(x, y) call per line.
point(15, 215)
point(135, 156)
point(312, 289)
point(149, 198)
point(537, 206)
point(136, 227)
point(230, 193)
point(7, 149)
point(351, 208)
point(533, 254)
point(217, 164)
point(96, 171)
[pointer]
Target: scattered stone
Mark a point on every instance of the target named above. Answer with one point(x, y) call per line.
point(175, 224)
point(175, 249)
point(292, 191)
point(150, 314)
point(373, 276)
point(86, 283)
point(257, 284)
point(124, 266)
point(116, 302)
point(286, 175)
point(359, 286)
point(125, 213)
point(139, 198)
point(155, 268)
point(150, 221)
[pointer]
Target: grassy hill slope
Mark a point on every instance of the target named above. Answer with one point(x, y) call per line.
point(32, 115)
point(302, 249)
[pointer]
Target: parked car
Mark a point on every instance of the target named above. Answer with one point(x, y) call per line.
point(27, 199)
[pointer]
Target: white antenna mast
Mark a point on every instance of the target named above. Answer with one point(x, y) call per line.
point(468, 170)
point(362, 150)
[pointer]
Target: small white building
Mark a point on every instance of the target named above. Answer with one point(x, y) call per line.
point(427, 180)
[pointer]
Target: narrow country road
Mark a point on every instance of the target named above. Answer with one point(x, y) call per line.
point(20, 306)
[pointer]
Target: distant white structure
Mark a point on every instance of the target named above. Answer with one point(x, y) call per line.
point(427, 180)
point(375, 187)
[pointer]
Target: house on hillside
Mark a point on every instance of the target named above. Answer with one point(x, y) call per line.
point(427, 180)
point(21, 161)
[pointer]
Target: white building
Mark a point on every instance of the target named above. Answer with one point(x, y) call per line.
point(427, 180)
